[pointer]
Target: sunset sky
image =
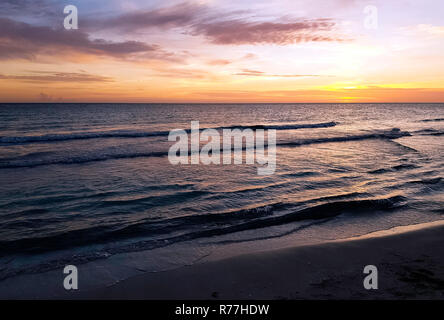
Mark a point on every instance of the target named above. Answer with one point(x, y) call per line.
point(222, 51)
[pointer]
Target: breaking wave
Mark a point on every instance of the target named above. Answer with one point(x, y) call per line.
point(141, 134)
point(26, 161)
point(192, 227)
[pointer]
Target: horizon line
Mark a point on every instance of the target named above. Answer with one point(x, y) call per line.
point(64, 102)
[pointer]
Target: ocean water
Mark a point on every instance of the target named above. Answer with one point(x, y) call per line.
point(91, 182)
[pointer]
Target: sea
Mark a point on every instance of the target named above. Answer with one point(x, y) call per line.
point(91, 185)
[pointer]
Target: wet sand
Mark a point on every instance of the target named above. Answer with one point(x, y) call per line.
point(410, 266)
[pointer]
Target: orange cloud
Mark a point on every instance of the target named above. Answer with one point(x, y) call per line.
point(254, 73)
point(42, 76)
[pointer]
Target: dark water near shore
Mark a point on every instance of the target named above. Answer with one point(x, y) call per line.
point(81, 182)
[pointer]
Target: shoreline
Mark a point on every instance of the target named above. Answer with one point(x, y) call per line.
point(408, 261)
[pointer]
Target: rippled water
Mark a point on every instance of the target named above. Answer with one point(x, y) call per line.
point(81, 182)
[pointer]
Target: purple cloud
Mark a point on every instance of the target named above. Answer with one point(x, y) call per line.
point(200, 20)
point(164, 18)
point(237, 32)
point(22, 40)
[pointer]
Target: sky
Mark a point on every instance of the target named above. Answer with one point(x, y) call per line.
point(222, 51)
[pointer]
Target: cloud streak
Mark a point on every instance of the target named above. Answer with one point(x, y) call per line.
point(254, 73)
point(199, 20)
point(41, 76)
point(22, 40)
point(241, 32)
point(180, 15)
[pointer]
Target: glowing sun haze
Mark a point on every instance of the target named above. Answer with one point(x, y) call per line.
point(222, 51)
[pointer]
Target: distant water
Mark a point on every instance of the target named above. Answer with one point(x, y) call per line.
point(81, 182)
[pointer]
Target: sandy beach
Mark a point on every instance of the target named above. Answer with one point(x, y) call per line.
point(409, 267)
